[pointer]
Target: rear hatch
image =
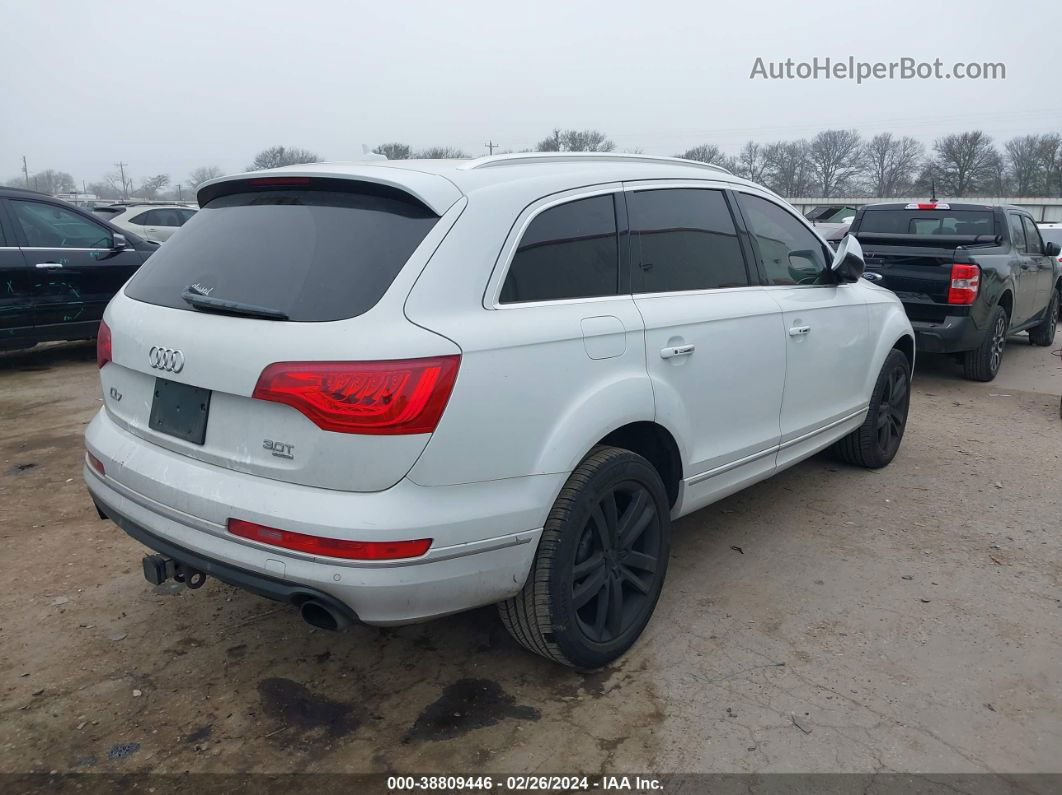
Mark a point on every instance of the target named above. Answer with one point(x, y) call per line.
point(911, 250)
point(269, 337)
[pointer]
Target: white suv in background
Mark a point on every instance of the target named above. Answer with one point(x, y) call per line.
point(150, 220)
point(389, 391)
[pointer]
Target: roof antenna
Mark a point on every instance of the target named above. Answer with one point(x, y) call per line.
point(933, 190)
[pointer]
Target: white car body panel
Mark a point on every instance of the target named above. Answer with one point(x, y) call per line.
point(539, 385)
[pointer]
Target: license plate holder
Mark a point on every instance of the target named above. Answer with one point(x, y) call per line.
point(180, 410)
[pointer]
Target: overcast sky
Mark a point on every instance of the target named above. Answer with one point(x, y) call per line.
point(167, 87)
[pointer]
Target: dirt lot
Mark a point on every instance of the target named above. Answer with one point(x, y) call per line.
point(830, 619)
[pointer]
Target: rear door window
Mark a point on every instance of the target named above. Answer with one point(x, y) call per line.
point(315, 255)
point(1017, 233)
point(684, 239)
point(568, 251)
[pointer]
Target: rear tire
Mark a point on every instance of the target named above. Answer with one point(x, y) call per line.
point(983, 362)
point(600, 564)
point(1043, 334)
point(875, 443)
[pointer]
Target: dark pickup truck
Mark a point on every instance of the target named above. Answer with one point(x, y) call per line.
point(968, 275)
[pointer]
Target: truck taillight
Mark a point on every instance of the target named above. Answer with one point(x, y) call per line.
point(965, 282)
point(403, 396)
point(329, 547)
point(103, 344)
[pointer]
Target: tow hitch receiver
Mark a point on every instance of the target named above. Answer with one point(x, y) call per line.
point(159, 568)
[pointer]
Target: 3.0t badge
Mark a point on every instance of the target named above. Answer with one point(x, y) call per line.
point(168, 359)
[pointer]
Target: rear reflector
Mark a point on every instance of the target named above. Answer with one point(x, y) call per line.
point(965, 282)
point(103, 344)
point(329, 547)
point(95, 463)
point(388, 397)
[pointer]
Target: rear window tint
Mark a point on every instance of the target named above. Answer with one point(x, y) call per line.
point(568, 251)
point(315, 255)
point(929, 222)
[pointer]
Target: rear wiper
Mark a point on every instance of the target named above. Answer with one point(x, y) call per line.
point(208, 304)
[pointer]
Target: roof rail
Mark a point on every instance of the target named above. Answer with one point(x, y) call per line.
point(525, 158)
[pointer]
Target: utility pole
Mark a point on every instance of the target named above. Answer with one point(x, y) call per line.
point(491, 146)
point(121, 168)
point(180, 195)
point(25, 170)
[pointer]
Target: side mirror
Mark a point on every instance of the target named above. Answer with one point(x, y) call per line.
point(848, 264)
point(119, 242)
point(1052, 249)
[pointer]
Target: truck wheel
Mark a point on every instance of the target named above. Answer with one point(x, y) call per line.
point(600, 564)
point(982, 363)
point(874, 443)
point(1043, 334)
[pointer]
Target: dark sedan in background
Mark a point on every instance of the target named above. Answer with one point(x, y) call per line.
point(59, 266)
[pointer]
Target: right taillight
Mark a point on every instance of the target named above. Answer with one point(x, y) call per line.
point(965, 282)
point(401, 396)
point(103, 344)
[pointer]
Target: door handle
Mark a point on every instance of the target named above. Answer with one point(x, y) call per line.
point(799, 331)
point(49, 265)
point(678, 350)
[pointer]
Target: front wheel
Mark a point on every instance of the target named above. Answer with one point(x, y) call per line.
point(874, 443)
point(600, 564)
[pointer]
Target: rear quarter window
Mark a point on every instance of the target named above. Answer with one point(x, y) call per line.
point(315, 255)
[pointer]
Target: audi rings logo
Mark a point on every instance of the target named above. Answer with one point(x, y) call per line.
point(166, 359)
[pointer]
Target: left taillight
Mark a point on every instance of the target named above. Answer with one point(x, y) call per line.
point(965, 283)
point(103, 344)
point(403, 396)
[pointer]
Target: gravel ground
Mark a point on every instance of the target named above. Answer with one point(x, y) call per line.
point(830, 619)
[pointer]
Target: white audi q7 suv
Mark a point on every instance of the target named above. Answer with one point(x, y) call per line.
point(388, 391)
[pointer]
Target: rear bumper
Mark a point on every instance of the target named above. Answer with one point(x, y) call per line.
point(485, 534)
point(952, 335)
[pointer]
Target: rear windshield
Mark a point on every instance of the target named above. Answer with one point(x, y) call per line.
point(315, 255)
point(929, 222)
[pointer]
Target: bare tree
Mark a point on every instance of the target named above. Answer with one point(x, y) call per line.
point(575, 141)
point(105, 189)
point(964, 163)
point(751, 163)
point(1052, 160)
point(276, 156)
point(786, 167)
point(892, 163)
point(835, 157)
point(440, 153)
point(51, 181)
point(705, 153)
point(1029, 164)
point(394, 151)
point(201, 175)
point(150, 187)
